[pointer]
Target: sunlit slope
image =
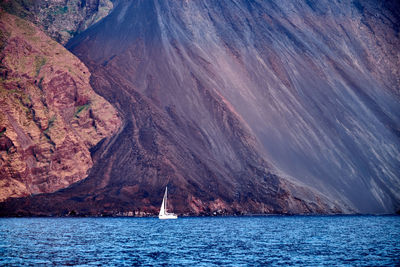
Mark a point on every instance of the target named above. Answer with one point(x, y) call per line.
point(50, 117)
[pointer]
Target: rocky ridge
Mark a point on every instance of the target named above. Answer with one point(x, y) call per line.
point(50, 116)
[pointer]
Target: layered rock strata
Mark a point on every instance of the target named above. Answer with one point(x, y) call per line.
point(50, 116)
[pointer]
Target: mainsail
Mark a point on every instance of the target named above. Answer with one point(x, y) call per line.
point(163, 209)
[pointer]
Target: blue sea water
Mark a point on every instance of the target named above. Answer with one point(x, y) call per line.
point(207, 241)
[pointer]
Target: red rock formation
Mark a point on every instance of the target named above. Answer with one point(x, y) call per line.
point(50, 116)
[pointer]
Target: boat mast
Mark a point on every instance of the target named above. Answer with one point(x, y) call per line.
point(166, 196)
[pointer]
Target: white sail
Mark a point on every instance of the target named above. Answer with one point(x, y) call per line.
point(163, 210)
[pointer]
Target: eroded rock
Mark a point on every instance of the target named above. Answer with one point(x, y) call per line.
point(50, 115)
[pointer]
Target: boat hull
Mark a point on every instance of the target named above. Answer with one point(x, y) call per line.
point(167, 216)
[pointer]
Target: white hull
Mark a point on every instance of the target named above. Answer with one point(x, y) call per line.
point(167, 217)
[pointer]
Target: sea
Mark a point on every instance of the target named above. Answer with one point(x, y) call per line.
point(201, 241)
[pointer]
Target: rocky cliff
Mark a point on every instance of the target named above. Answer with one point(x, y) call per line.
point(50, 116)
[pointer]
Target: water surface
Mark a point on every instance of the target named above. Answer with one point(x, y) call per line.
point(270, 240)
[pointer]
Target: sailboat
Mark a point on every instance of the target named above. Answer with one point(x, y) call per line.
point(164, 215)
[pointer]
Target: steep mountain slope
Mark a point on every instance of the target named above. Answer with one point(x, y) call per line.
point(50, 116)
point(316, 83)
point(243, 106)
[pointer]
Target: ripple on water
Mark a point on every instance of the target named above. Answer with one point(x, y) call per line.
point(297, 240)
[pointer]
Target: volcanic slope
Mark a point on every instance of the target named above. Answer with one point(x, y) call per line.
point(236, 104)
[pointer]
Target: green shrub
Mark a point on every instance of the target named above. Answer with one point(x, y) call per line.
point(79, 109)
point(50, 124)
point(39, 63)
point(61, 10)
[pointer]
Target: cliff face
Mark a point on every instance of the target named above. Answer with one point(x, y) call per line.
point(50, 116)
point(241, 107)
point(60, 19)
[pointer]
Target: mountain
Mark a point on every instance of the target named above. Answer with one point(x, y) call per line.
point(50, 116)
point(242, 107)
